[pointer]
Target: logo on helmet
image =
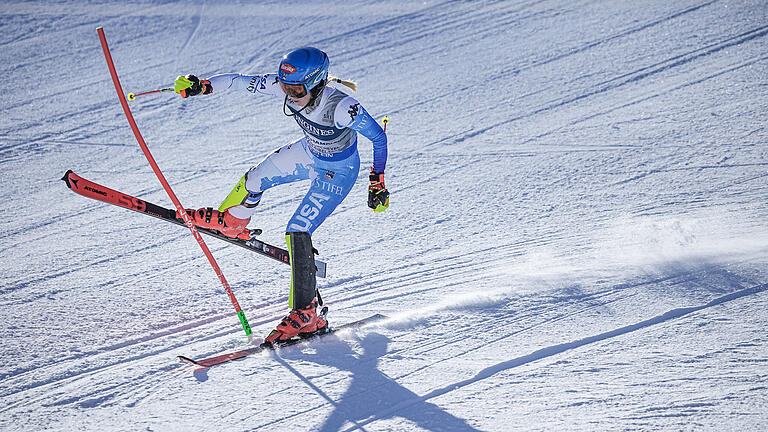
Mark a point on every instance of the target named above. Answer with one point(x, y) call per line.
point(310, 74)
point(287, 68)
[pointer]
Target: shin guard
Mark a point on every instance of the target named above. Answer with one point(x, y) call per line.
point(241, 196)
point(303, 284)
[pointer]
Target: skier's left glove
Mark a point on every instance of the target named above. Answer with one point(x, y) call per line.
point(191, 85)
point(378, 195)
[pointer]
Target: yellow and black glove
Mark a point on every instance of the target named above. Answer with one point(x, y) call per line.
point(191, 85)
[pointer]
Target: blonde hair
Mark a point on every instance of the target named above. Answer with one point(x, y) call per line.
point(351, 84)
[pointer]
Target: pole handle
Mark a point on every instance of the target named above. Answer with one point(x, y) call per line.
point(132, 96)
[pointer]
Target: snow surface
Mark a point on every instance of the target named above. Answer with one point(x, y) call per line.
point(577, 238)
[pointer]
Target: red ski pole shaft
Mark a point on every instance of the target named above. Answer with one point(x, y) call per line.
point(132, 96)
point(166, 186)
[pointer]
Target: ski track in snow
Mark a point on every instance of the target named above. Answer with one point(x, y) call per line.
point(577, 238)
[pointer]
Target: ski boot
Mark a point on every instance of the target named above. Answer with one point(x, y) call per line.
point(222, 222)
point(299, 324)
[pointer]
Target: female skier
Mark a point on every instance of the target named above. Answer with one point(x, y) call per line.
point(326, 155)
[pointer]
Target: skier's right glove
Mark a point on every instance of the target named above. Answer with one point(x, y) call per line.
point(191, 85)
point(378, 195)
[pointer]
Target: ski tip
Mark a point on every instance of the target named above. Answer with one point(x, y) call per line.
point(374, 319)
point(66, 178)
point(190, 361)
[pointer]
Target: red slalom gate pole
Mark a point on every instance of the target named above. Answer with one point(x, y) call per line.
point(167, 187)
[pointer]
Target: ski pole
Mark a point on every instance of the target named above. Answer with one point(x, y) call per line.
point(385, 120)
point(167, 187)
point(132, 96)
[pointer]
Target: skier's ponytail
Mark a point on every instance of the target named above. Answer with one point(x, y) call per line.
point(351, 84)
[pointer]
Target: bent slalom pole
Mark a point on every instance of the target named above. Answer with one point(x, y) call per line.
point(167, 187)
point(132, 96)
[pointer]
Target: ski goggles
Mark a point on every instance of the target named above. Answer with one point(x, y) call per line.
point(295, 91)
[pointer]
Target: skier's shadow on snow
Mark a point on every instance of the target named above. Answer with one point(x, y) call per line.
point(372, 395)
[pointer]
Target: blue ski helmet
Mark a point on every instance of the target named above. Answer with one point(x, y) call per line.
point(305, 66)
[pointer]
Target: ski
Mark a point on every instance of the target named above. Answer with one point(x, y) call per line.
point(234, 355)
point(98, 192)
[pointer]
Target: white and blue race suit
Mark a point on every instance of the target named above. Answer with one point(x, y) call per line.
point(327, 154)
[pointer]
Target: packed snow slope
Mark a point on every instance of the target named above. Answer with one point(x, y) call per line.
point(577, 237)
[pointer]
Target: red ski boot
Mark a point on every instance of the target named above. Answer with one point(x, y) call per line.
point(222, 222)
point(300, 323)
